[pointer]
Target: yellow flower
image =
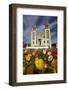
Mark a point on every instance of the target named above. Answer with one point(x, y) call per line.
point(54, 65)
point(39, 63)
point(25, 51)
point(28, 57)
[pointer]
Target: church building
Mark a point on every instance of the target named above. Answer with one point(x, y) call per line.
point(41, 38)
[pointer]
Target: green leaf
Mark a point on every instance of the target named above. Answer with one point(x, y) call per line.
point(43, 56)
point(32, 62)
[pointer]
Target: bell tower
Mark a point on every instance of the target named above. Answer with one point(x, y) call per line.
point(47, 35)
point(33, 36)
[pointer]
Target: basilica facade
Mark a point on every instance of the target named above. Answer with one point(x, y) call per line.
point(41, 38)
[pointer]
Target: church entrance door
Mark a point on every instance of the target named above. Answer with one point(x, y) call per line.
point(39, 42)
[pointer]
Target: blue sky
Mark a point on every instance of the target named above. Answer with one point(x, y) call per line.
point(39, 21)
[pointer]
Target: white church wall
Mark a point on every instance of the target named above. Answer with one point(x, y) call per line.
point(37, 39)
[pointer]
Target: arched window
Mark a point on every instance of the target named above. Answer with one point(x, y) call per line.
point(47, 41)
point(33, 42)
point(47, 34)
point(44, 41)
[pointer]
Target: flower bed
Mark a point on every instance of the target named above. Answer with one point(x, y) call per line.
point(38, 61)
